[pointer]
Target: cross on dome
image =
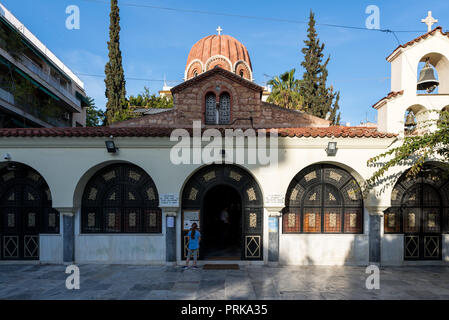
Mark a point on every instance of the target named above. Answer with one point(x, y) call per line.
point(219, 30)
point(429, 21)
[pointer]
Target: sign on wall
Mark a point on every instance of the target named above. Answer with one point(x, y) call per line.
point(274, 200)
point(169, 200)
point(273, 224)
point(170, 222)
point(191, 217)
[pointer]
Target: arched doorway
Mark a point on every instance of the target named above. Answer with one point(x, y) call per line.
point(419, 210)
point(207, 193)
point(25, 211)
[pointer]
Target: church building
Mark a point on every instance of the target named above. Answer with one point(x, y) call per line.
point(129, 192)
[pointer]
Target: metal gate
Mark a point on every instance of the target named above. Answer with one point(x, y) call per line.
point(422, 247)
point(419, 209)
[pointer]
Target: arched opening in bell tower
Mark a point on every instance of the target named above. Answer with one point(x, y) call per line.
point(433, 72)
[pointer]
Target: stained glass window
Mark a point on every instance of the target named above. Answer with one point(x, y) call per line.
point(225, 109)
point(211, 109)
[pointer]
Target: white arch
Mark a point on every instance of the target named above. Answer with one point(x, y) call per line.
point(218, 56)
point(246, 65)
point(422, 116)
point(441, 64)
point(186, 72)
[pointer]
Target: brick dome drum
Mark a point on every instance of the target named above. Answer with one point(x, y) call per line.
point(218, 50)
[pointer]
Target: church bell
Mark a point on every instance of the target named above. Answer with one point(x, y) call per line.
point(427, 80)
point(410, 121)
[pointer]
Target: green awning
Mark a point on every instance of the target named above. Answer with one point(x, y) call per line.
point(23, 74)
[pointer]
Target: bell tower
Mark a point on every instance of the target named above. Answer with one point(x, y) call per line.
point(419, 82)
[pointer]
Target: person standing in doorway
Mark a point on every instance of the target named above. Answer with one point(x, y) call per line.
point(224, 219)
point(194, 237)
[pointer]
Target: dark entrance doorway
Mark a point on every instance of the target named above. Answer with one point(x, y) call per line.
point(222, 224)
point(205, 194)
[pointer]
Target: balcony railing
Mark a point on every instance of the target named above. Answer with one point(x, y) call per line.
point(33, 110)
point(7, 96)
point(49, 79)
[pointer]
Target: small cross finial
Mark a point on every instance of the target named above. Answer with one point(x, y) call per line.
point(219, 30)
point(429, 21)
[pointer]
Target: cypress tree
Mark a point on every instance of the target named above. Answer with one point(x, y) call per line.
point(115, 78)
point(318, 98)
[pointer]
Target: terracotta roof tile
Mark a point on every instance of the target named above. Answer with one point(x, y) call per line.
point(336, 132)
point(391, 95)
point(418, 39)
point(105, 132)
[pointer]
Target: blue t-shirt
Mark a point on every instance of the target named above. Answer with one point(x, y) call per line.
point(194, 243)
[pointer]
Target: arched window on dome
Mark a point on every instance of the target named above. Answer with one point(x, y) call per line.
point(225, 108)
point(241, 73)
point(211, 116)
point(195, 73)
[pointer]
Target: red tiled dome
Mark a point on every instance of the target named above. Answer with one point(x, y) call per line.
point(217, 47)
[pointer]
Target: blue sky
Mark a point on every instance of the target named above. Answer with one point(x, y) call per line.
point(155, 43)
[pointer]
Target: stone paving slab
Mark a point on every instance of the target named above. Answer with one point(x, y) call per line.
point(108, 282)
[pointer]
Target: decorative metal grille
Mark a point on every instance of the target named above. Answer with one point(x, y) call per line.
point(411, 247)
point(10, 247)
point(225, 109)
point(125, 200)
point(25, 211)
point(211, 109)
point(420, 205)
point(31, 246)
point(327, 199)
point(432, 247)
point(252, 247)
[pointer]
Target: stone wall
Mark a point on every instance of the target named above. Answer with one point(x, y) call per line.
point(246, 102)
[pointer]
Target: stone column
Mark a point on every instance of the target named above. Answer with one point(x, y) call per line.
point(375, 235)
point(68, 234)
point(170, 236)
point(273, 235)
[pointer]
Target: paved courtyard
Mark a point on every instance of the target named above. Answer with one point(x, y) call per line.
point(21, 281)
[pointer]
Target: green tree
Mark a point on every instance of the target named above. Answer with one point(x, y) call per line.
point(95, 117)
point(416, 150)
point(285, 91)
point(318, 98)
point(333, 116)
point(115, 77)
point(148, 100)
